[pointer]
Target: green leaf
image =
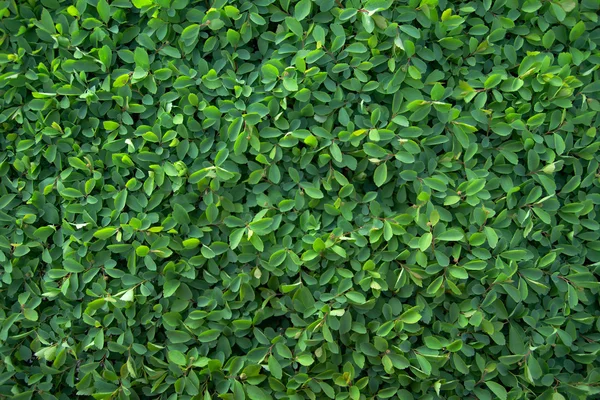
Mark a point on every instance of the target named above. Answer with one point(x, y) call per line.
point(497, 389)
point(373, 6)
point(313, 192)
point(577, 30)
point(410, 30)
point(302, 9)
point(103, 10)
point(110, 125)
point(121, 81)
point(412, 316)
point(207, 252)
point(71, 265)
point(492, 81)
point(450, 43)
point(356, 297)
point(44, 232)
point(380, 175)
point(141, 58)
point(178, 337)
point(105, 233)
point(425, 241)
point(296, 28)
point(451, 235)
point(233, 37)
point(209, 335)
point(190, 32)
point(30, 314)
point(177, 357)
point(374, 150)
point(437, 92)
point(170, 287)
point(275, 367)
point(531, 6)
point(517, 255)
point(256, 393)
point(305, 359)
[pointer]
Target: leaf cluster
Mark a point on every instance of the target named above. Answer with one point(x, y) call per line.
point(313, 199)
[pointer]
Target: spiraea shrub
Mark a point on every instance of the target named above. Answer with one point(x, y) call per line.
point(288, 200)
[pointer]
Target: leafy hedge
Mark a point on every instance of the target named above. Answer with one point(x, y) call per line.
point(277, 199)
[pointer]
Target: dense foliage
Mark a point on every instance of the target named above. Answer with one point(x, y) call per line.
point(275, 199)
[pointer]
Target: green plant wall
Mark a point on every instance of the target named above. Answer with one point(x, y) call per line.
point(287, 200)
